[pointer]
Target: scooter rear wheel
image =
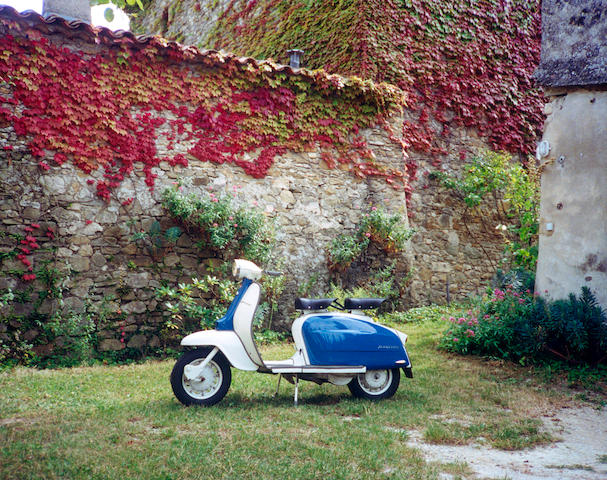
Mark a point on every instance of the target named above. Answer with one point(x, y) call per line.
point(375, 384)
point(210, 387)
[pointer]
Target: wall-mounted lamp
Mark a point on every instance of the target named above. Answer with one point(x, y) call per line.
point(295, 58)
point(542, 150)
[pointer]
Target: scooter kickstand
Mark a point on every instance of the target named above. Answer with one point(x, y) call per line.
point(277, 386)
point(296, 389)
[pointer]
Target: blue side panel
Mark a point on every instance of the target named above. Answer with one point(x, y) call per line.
point(340, 340)
point(227, 321)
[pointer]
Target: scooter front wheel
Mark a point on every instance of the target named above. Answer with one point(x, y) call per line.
point(209, 387)
point(375, 384)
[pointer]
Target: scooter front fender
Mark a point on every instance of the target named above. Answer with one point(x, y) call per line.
point(228, 343)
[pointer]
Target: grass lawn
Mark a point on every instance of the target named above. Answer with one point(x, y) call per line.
point(122, 422)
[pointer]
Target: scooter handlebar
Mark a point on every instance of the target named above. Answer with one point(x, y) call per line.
point(271, 273)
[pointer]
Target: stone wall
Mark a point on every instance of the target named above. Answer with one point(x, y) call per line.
point(98, 260)
point(455, 249)
point(90, 241)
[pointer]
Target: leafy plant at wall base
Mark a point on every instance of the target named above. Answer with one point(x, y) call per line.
point(195, 306)
point(74, 338)
point(229, 230)
point(527, 328)
point(387, 231)
point(343, 250)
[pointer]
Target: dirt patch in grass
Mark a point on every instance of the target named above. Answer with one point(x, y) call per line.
point(578, 455)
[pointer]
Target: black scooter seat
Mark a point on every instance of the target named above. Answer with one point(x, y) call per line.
point(362, 303)
point(313, 303)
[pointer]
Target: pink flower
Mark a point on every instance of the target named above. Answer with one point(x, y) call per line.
point(452, 319)
point(367, 234)
point(215, 225)
point(254, 202)
point(461, 320)
point(470, 333)
point(88, 222)
point(235, 225)
point(230, 218)
point(455, 339)
point(373, 208)
point(214, 199)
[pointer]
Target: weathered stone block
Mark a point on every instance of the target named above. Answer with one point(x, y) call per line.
point(138, 280)
point(98, 259)
point(171, 260)
point(110, 344)
point(74, 304)
point(134, 307)
point(79, 264)
point(137, 341)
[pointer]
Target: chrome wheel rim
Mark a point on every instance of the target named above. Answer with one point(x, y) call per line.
point(206, 384)
point(375, 382)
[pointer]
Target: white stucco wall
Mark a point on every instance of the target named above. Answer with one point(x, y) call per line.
point(574, 196)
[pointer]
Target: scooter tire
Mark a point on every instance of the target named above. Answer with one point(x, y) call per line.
point(183, 389)
point(361, 387)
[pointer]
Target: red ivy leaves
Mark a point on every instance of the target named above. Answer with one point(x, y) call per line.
point(109, 110)
point(461, 63)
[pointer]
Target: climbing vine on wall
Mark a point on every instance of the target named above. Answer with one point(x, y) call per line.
point(462, 63)
point(110, 109)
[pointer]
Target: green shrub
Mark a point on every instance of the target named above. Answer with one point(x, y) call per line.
point(344, 249)
point(387, 231)
point(524, 327)
point(195, 306)
point(74, 337)
point(228, 230)
point(198, 305)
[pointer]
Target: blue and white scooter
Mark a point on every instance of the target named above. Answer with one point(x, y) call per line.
point(343, 348)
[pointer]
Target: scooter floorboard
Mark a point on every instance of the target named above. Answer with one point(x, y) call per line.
point(334, 369)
